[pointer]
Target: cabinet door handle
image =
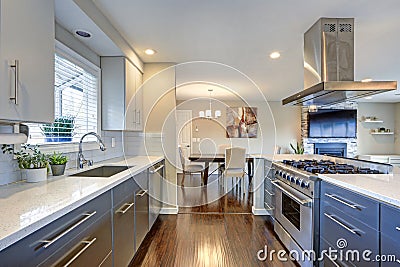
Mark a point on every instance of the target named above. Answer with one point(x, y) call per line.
point(156, 170)
point(141, 193)
point(353, 206)
point(88, 244)
point(139, 117)
point(271, 194)
point(327, 255)
point(15, 66)
point(398, 228)
point(86, 217)
point(353, 231)
point(128, 206)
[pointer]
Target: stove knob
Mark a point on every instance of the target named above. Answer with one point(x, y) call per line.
point(284, 175)
point(305, 185)
point(299, 181)
point(280, 173)
point(294, 179)
point(276, 172)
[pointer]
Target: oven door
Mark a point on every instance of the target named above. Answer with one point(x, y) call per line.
point(294, 212)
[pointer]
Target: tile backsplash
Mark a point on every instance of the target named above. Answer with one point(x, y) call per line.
point(126, 143)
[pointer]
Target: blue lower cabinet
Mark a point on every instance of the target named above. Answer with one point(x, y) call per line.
point(390, 221)
point(92, 247)
point(350, 223)
point(349, 236)
point(390, 251)
point(330, 258)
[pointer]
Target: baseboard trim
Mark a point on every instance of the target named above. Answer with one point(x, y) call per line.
point(259, 211)
point(173, 210)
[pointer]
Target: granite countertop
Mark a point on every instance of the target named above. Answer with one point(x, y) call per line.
point(382, 187)
point(27, 207)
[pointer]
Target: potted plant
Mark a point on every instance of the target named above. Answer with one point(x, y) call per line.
point(299, 149)
point(61, 130)
point(31, 161)
point(57, 163)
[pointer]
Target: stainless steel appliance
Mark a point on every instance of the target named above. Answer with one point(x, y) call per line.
point(329, 66)
point(297, 193)
point(296, 210)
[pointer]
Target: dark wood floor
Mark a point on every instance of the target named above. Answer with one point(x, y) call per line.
point(220, 233)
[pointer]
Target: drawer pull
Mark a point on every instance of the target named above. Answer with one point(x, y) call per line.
point(156, 170)
point(353, 231)
point(331, 260)
point(128, 206)
point(50, 242)
point(268, 206)
point(353, 206)
point(141, 193)
point(398, 228)
point(88, 244)
point(269, 193)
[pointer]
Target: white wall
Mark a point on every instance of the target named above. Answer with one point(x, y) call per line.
point(397, 128)
point(377, 144)
point(285, 120)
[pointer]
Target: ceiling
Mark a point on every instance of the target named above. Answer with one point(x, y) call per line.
point(242, 34)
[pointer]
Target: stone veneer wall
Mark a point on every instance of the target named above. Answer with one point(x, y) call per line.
point(308, 143)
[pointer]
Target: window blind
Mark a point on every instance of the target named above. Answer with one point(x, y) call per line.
point(75, 99)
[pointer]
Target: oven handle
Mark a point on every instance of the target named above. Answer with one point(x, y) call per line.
point(303, 202)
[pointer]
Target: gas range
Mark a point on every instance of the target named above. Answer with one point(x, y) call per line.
point(297, 193)
point(303, 174)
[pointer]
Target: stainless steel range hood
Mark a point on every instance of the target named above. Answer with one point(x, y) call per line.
point(329, 66)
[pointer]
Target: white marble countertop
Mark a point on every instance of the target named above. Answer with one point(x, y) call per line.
point(382, 187)
point(27, 207)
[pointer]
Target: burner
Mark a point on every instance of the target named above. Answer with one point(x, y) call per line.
point(327, 166)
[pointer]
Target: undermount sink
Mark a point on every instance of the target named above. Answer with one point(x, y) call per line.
point(103, 171)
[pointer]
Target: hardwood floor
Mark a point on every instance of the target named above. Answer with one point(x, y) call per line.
point(220, 233)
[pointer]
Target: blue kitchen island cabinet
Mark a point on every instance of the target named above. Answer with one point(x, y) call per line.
point(349, 222)
point(390, 235)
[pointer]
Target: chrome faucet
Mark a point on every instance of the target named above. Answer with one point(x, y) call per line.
point(81, 159)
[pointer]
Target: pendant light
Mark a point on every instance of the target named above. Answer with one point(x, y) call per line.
point(208, 112)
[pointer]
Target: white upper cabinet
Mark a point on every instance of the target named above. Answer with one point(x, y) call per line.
point(121, 101)
point(27, 60)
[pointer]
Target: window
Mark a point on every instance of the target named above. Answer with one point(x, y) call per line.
point(75, 97)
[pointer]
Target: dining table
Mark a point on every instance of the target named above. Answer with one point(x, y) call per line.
point(218, 158)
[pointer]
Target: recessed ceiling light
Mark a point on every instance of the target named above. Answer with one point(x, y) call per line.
point(150, 51)
point(366, 80)
point(83, 33)
point(368, 97)
point(275, 55)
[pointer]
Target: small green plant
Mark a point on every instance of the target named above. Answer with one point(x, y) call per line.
point(62, 126)
point(29, 157)
point(57, 158)
point(299, 149)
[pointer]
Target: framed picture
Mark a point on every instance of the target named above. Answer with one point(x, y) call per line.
point(241, 122)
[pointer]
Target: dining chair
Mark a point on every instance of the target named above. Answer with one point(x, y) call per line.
point(235, 164)
point(221, 150)
point(190, 168)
